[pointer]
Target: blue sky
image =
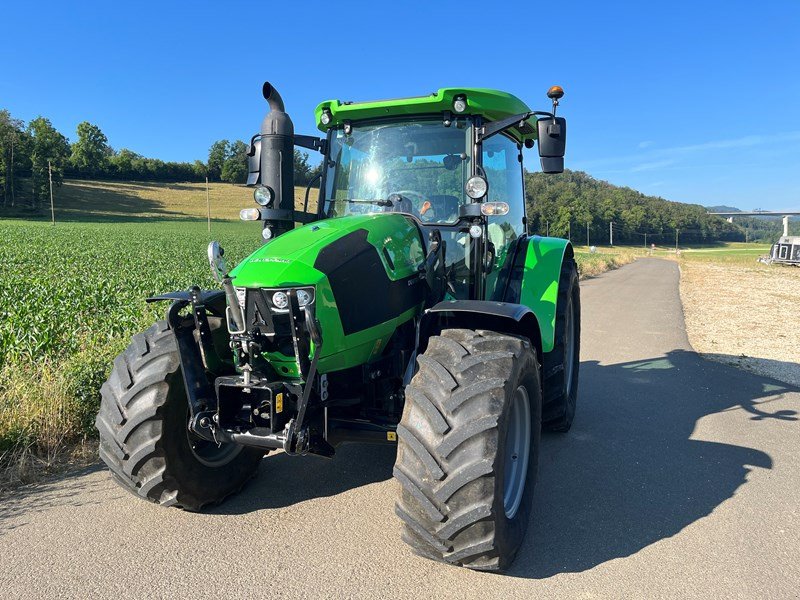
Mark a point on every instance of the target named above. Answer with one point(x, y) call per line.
point(693, 101)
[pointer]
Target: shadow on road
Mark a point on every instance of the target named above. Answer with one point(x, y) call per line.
point(286, 480)
point(70, 490)
point(628, 474)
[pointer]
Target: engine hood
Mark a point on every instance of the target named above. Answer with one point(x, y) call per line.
point(289, 260)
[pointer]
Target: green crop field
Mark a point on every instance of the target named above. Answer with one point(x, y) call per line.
point(72, 294)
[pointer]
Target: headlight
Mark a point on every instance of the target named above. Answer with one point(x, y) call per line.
point(460, 104)
point(476, 187)
point(280, 300)
point(303, 297)
point(325, 117)
point(263, 195)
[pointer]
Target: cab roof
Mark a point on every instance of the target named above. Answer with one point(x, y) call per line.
point(493, 105)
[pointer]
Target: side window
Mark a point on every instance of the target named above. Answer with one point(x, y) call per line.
point(504, 173)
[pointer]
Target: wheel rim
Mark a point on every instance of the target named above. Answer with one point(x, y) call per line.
point(208, 453)
point(569, 359)
point(518, 447)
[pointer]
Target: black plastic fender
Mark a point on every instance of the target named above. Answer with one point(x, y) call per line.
point(503, 317)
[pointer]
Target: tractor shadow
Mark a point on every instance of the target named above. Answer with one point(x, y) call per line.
point(628, 474)
point(284, 480)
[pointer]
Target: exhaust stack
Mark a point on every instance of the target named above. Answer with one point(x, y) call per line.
point(273, 156)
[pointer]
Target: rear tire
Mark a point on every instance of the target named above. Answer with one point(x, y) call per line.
point(561, 366)
point(144, 434)
point(460, 449)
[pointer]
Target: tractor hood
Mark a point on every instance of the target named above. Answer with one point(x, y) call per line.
point(365, 270)
point(308, 254)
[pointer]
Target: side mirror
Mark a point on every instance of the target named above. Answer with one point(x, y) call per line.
point(254, 162)
point(552, 143)
point(219, 269)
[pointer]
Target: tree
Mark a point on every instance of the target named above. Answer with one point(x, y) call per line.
point(122, 164)
point(200, 169)
point(91, 152)
point(14, 156)
point(234, 169)
point(302, 170)
point(47, 146)
point(217, 155)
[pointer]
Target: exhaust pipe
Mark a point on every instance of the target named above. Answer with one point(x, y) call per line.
point(275, 164)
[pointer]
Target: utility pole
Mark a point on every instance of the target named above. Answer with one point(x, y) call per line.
point(13, 135)
point(676, 240)
point(587, 234)
point(569, 231)
point(52, 208)
point(547, 230)
point(645, 240)
point(611, 233)
point(208, 206)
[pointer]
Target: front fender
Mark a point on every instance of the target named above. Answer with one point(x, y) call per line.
point(214, 299)
point(540, 259)
point(502, 317)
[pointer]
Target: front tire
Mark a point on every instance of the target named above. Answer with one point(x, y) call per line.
point(144, 434)
point(468, 445)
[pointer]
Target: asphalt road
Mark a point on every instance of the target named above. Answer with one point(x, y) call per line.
point(680, 478)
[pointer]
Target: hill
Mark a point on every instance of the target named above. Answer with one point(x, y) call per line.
point(564, 204)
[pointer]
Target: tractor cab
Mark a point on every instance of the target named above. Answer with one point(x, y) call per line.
point(451, 161)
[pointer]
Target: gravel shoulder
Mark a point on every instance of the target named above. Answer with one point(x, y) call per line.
point(744, 315)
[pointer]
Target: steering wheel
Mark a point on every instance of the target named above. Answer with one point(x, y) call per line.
point(420, 200)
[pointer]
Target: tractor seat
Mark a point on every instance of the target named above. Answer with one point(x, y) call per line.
point(444, 206)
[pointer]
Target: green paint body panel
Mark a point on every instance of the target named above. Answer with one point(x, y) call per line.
point(540, 283)
point(491, 104)
point(288, 261)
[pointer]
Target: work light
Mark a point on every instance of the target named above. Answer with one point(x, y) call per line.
point(477, 187)
point(263, 195)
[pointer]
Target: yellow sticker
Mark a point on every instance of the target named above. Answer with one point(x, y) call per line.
point(391, 436)
point(278, 403)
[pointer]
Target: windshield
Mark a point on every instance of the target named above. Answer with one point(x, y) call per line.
point(417, 167)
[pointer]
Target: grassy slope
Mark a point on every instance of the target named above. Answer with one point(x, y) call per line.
point(90, 201)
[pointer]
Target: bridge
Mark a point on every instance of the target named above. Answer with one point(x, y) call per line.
point(761, 213)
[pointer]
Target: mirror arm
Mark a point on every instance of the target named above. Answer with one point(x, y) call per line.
point(304, 141)
point(311, 142)
point(495, 127)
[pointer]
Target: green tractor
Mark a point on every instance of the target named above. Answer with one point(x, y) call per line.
point(411, 308)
